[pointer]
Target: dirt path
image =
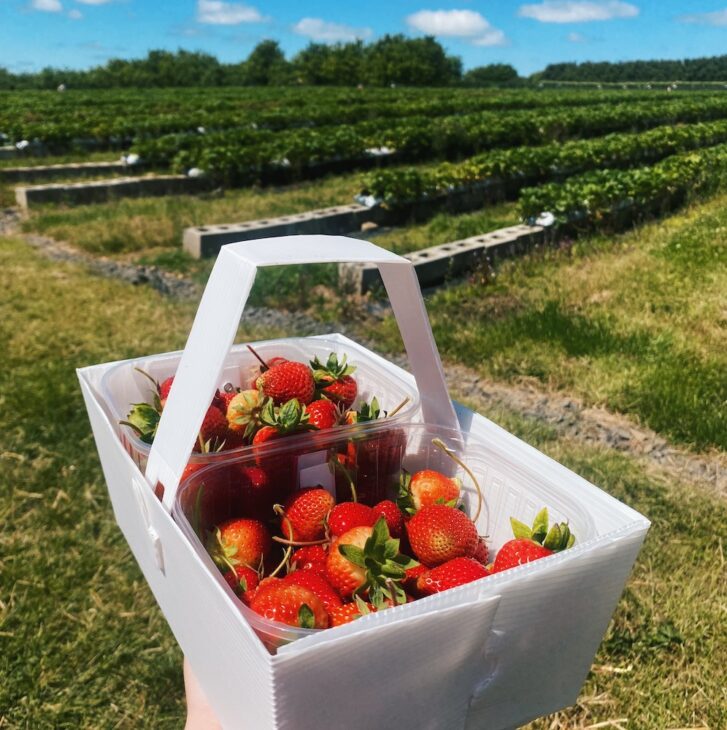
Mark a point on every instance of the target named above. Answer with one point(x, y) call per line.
point(568, 416)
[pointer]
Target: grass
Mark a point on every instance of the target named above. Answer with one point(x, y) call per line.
point(82, 643)
point(636, 322)
point(133, 225)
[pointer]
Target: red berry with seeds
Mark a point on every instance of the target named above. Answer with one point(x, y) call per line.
point(287, 381)
point(213, 430)
point(239, 542)
point(305, 513)
point(350, 612)
point(289, 604)
point(310, 557)
point(451, 574)
point(323, 414)
point(242, 579)
point(318, 584)
point(393, 516)
point(439, 533)
point(427, 487)
point(347, 515)
point(333, 379)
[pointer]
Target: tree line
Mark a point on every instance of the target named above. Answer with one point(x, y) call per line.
point(394, 59)
point(711, 68)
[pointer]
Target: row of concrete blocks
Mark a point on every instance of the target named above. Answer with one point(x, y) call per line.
point(205, 241)
point(439, 263)
point(50, 172)
point(102, 190)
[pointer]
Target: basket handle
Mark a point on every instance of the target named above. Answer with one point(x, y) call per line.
point(218, 318)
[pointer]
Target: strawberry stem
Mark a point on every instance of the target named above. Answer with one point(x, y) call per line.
point(146, 375)
point(443, 447)
point(347, 475)
point(284, 561)
point(398, 408)
point(264, 364)
point(298, 543)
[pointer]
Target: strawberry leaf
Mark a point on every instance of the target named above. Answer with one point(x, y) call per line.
point(520, 529)
point(354, 554)
point(540, 525)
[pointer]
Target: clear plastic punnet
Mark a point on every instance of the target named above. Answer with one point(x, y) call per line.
point(494, 653)
point(126, 383)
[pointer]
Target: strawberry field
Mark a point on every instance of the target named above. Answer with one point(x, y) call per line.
point(606, 351)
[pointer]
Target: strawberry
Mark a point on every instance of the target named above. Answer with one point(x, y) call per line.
point(265, 365)
point(223, 397)
point(451, 574)
point(426, 487)
point(164, 388)
point(257, 491)
point(411, 577)
point(482, 554)
point(393, 516)
point(289, 604)
point(243, 412)
point(242, 579)
point(533, 543)
point(318, 584)
point(143, 419)
point(287, 381)
point(310, 557)
point(265, 434)
point(366, 561)
point(323, 414)
point(304, 513)
point(213, 430)
point(349, 612)
point(346, 515)
point(334, 380)
point(439, 533)
point(239, 542)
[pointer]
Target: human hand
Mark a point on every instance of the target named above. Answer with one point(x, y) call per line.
point(200, 715)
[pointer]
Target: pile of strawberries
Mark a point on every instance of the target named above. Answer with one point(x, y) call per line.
point(337, 561)
point(284, 397)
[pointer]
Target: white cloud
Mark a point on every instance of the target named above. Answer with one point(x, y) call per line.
point(717, 18)
point(47, 6)
point(326, 32)
point(453, 23)
point(75, 14)
point(93, 2)
point(578, 11)
point(215, 12)
point(457, 24)
point(576, 37)
point(492, 37)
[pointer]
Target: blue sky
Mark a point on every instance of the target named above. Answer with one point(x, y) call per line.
point(528, 34)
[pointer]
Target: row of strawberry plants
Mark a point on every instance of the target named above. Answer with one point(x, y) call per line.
point(521, 166)
point(240, 158)
point(116, 119)
point(611, 198)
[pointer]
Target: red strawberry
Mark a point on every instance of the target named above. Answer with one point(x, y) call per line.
point(323, 414)
point(451, 574)
point(346, 515)
point(482, 554)
point(439, 533)
point(411, 577)
point(257, 491)
point(533, 543)
point(239, 542)
point(334, 380)
point(287, 381)
point(289, 604)
point(318, 584)
point(242, 580)
point(164, 389)
point(310, 557)
point(265, 434)
point(426, 487)
point(366, 560)
point(213, 430)
point(224, 397)
point(305, 513)
point(518, 551)
point(349, 612)
point(393, 516)
point(265, 365)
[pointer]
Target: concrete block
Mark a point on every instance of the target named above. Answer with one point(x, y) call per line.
point(54, 172)
point(206, 241)
point(103, 190)
point(438, 263)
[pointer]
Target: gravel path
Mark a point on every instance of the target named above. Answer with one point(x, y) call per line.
point(569, 417)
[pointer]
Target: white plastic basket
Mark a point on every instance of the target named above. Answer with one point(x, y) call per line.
point(493, 654)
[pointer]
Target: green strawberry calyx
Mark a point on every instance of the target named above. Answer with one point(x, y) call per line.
point(144, 420)
point(556, 538)
point(333, 370)
point(287, 418)
point(384, 565)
